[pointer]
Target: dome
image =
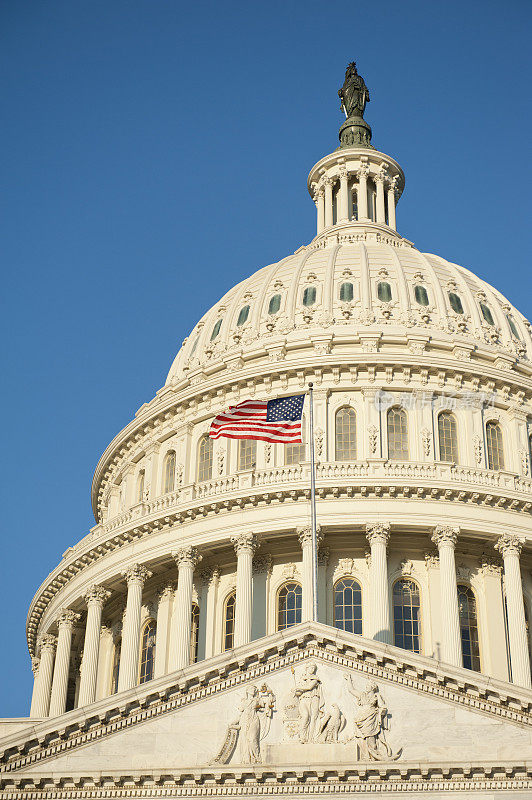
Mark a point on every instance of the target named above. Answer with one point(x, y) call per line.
point(375, 288)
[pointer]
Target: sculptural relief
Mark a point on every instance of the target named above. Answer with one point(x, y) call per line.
point(370, 719)
point(250, 726)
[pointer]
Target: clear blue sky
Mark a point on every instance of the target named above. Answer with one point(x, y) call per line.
point(154, 153)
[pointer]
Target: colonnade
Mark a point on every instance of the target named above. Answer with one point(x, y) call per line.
point(349, 183)
point(51, 669)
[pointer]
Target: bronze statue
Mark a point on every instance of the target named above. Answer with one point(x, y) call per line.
point(354, 93)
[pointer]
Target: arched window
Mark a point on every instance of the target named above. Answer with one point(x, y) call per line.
point(494, 445)
point(140, 486)
point(346, 435)
point(448, 436)
point(348, 605)
point(420, 293)
point(309, 296)
point(467, 610)
point(456, 303)
point(229, 621)
point(116, 666)
point(147, 651)
point(513, 327)
point(354, 204)
point(205, 458)
point(384, 292)
point(295, 453)
point(194, 346)
point(406, 615)
point(289, 605)
point(216, 329)
point(346, 292)
point(242, 317)
point(486, 313)
point(194, 631)
point(247, 454)
point(274, 304)
point(397, 426)
point(169, 471)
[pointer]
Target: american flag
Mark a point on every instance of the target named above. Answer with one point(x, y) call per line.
point(268, 420)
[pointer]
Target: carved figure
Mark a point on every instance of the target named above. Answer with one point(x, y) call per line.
point(370, 722)
point(308, 690)
point(331, 724)
point(354, 93)
point(251, 725)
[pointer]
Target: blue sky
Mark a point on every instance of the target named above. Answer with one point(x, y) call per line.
point(154, 153)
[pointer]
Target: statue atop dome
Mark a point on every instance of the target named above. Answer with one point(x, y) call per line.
point(354, 94)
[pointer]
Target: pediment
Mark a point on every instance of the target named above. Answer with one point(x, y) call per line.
point(309, 696)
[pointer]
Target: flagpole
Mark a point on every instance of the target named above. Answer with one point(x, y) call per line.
point(313, 510)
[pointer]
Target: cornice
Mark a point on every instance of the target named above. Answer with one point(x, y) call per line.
point(52, 737)
point(429, 481)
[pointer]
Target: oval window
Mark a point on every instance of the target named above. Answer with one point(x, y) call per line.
point(420, 293)
point(346, 292)
point(275, 304)
point(309, 296)
point(216, 329)
point(242, 317)
point(456, 303)
point(513, 327)
point(486, 313)
point(384, 292)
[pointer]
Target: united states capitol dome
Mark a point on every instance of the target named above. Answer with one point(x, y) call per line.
point(203, 557)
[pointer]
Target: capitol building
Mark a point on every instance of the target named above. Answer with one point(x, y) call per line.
point(174, 647)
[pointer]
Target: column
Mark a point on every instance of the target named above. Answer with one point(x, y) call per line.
point(65, 623)
point(35, 669)
point(381, 212)
point(378, 535)
point(510, 545)
point(320, 205)
point(391, 203)
point(343, 208)
point(245, 545)
point(135, 577)
point(95, 598)
point(492, 600)
point(323, 561)
point(305, 540)
point(41, 702)
point(212, 579)
point(444, 536)
point(164, 610)
point(186, 559)
point(328, 202)
point(362, 193)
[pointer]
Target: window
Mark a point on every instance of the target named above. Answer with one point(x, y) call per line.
point(486, 313)
point(194, 631)
point(448, 436)
point(205, 458)
point(384, 292)
point(247, 454)
point(216, 329)
point(346, 292)
point(275, 304)
point(140, 486)
point(169, 471)
point(348, 605)
point(242, 317)
point(295, 453)
point(194, 346)
point(346, 435)
point(147, 651)
point(406, 615)
point(309, 296)
point(513, 327)
point(288, 605)
point(420, 293)
point(397, 434)
point(456, 303)
point(229, 621)
point(467, 611)
point(494, 445)
point(354, 201)
point(116, 666)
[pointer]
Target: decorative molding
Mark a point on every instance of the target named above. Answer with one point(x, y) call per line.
point(510, 544)
point(187, 557)
point(378, 533)
point(96, 594)
point(137, 573)
point(245, 542)
point(67, 618)
point(445, 535)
